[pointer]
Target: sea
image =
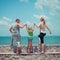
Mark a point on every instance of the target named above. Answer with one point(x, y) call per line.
point(6, 40)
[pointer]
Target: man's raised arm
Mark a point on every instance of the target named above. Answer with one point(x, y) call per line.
point(21, 26)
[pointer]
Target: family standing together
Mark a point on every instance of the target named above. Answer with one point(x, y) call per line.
point(15, 31)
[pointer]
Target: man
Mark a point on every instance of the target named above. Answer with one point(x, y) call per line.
point(15, 31)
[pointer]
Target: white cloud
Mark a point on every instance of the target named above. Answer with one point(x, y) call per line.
point(53, 12)
point(29, 23)
point(23, 0)
point(36, 16)
point(39, 16)
point(52, 5)
point(5, 21)
point(2, 22)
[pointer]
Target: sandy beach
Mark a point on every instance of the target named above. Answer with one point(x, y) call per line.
point(52, 52)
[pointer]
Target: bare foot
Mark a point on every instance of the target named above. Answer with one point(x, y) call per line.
point(42, 52)
point(17, 53)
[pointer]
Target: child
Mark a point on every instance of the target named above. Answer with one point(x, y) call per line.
point(30, 38)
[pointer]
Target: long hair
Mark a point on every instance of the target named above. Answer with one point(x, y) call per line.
point(43, 20)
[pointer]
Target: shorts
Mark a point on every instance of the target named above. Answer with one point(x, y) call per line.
point(30, 39)
point(41, 36)
point(18, 37)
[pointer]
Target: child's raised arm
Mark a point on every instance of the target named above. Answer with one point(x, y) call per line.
point(33, 28)
point(26, 26)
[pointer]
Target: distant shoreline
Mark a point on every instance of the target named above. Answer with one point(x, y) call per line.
point(48, 40)
point(34, 36)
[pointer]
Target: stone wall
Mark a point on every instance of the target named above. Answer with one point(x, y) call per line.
point(52, 52)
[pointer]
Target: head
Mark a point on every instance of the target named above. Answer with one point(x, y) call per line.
point(29, 28)
point(17, 20)
point(43, 20)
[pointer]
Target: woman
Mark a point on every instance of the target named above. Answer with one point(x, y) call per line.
point(42, 27)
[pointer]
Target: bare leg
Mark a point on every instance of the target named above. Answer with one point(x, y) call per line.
point(42, 46)
point(12, 42)
point(39, 40)
point(18, 45)
point(17, 50)
point(29, 46)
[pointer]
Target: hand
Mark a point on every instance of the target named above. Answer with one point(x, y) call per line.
point(34, 23)
point(10, 31)
point(25, 24)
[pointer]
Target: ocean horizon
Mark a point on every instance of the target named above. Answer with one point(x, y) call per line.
point(6, 40)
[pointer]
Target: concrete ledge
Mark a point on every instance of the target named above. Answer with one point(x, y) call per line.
point(36, 45)
point(7, 53)
point(52, 53)
point(31, 53)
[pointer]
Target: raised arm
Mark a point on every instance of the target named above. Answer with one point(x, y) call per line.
point(48, 29)
point(37, 25)
point(33, 28)
point(26, 26)
point(21, 26)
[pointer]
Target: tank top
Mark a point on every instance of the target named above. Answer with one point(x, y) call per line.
point(30, 33)
point(15, 30)
point(42, 28)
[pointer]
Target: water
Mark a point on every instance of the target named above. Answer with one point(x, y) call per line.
point(24, 40)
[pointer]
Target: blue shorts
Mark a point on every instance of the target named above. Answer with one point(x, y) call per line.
point(30, 38)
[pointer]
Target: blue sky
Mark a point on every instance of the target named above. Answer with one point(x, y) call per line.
point(29, 11)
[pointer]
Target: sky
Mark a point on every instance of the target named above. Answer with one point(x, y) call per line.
point(29, 11)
